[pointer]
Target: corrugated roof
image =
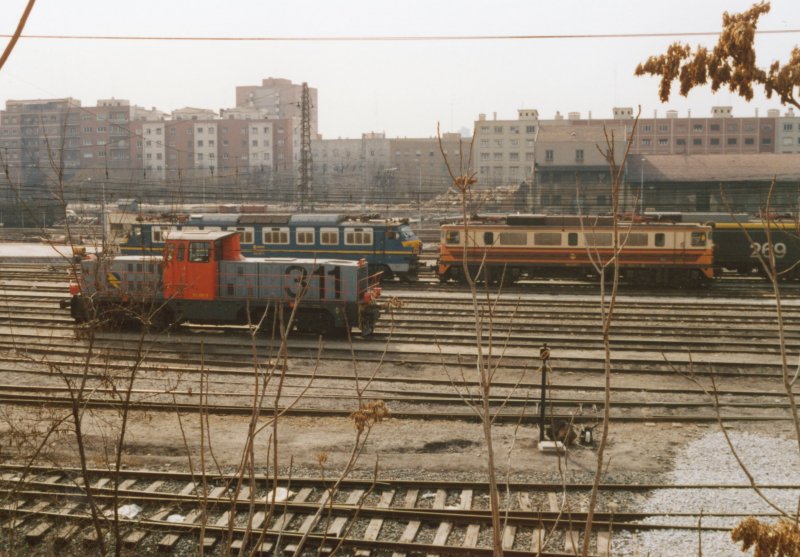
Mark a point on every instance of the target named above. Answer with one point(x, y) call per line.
point(712, 168)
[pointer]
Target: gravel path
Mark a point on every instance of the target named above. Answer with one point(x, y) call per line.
point(770, 460)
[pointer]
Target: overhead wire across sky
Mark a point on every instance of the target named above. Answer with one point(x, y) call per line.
point(379, 38)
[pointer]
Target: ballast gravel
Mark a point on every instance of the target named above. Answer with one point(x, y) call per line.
point(708, 460)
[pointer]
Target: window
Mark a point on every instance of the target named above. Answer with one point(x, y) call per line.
point(276, 235)
point(548, 155)
point(731, 141)
point(766, 141)
point(647, 128)
point(530, 129)
point(513, 238)
point(498, 156)
point(199, 252)
point(597, 239)
point(255, 143)
point(513, 129)
point(498, 129)
point(714, 127)
point(488, 238)
point(547, 238)
point(634, 239)
point(698, 239)
point(329, 236)
point(714, 141)
point(572, 238)
point(579, 154)
point(528, 156)
point(663, 128)
point(645, 142)
point(199, 142)
point(663, 141)
point(749, 141)
point(697, 127)
point(787, 127)
point(660, 240)
point(245, 234)
point(451, 237)
point(680, 142)
point(484, 156)
point(358, 236)
point(697, 141)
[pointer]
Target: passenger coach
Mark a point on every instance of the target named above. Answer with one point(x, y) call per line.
point(515, 246)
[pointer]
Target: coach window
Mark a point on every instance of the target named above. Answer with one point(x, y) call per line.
point(276, 235)
point(698, 239)
point(660, 240)
point(160, 233)
point(199, 252)
point(452, 237)
point(329, 236)
point(181, 251)
point(304, 236)
point(358, 236)
point(572, 238)
point(245, 234)
point(488, 238)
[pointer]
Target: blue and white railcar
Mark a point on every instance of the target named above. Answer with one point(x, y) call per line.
point(388, 245)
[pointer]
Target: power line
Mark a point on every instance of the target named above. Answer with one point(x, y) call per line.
point(399, 38)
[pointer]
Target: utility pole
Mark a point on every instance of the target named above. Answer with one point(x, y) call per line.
point(305, 148)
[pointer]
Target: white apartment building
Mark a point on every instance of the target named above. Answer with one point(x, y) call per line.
point(504, 150)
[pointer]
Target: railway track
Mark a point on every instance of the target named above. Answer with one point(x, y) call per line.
point(212, 369)
point(225, 512)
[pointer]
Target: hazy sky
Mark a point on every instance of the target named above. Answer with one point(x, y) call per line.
point(402, 88)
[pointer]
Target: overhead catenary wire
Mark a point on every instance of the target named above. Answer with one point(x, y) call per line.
point(398, 38)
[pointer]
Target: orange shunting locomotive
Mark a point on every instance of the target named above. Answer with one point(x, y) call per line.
point(203, 278)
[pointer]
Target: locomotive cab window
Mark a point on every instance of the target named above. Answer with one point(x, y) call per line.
point(276, 235)
point(329, 236)
point(488, 238)
point(452, 237)
point(199, 252)
point(698, 239)
point(358, 236)
point(660, 240)
point(572, 239)
point(181, 252)
point(304, 236)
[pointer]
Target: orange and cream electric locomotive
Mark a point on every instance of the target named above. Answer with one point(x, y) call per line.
point(511, 247)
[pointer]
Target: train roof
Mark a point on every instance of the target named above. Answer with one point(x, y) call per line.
point(302, 261)
point(588, 221)
point(311, 219)
point(209, 235)
point(300, 219)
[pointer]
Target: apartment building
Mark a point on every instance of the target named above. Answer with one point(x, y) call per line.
point(504, 149)
point(787, 137)
point(38, 138)
point(279, 99)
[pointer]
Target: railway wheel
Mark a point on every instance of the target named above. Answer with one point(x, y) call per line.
point(161, 320)
point(386, 273)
